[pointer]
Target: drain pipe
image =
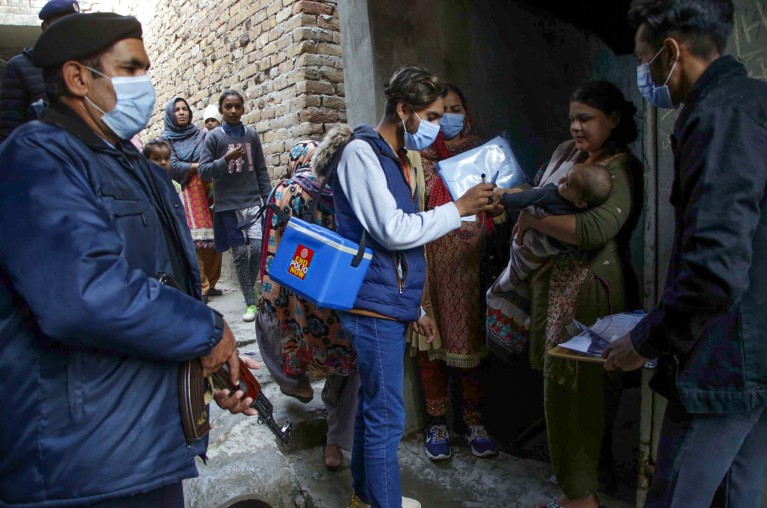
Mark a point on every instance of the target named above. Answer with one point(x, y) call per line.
point(649, 411)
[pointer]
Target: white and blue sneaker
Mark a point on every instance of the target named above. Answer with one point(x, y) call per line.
point(438, 443)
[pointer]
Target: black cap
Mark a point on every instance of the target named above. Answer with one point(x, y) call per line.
point(83, 35)
point(58, 8)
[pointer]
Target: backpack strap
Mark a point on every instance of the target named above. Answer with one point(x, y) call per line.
point(361, 251)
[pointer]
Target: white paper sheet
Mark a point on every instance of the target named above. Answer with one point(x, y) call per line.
point(587, 339)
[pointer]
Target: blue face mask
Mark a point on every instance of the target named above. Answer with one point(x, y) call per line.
point(658, 96)
point(423, 137)
point(135, 102)
point(451, 124)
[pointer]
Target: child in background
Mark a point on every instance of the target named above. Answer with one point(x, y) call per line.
point(211, 117)
point(584, 186)
point(158, 151)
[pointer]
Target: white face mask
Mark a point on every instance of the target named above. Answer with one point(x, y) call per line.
point(423, 137)
point(658, 96)
point(135, 102)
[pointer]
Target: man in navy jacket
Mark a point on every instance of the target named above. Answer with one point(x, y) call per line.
point(90, 342)
point(709, 329)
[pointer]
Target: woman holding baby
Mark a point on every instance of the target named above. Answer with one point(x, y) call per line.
point(593, 280)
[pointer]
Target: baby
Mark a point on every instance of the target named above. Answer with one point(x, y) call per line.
point(584, 186)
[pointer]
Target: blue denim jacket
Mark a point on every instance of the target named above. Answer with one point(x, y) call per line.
point(710, 326)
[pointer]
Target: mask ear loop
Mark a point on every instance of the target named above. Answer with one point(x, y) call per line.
point(94, 71)
point(672, 67)
point(656, 55)
point(95, 106)
point(670, 72)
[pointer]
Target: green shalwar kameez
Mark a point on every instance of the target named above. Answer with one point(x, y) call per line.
point(574, 392)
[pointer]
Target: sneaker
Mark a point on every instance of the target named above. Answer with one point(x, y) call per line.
point(410, 503)
point(438, 443)
point(215, 292)
point(481, 444)
point(250, 313)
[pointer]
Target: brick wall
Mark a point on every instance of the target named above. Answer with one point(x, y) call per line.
point(283, 55)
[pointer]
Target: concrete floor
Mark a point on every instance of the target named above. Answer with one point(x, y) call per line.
point(247, 468)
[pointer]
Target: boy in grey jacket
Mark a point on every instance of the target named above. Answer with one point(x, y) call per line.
point(233, 160)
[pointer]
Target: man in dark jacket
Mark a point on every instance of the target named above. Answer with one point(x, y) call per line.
point(90, 342)
point(709, 329)
point(22, 82)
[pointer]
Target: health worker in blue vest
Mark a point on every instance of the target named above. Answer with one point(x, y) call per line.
point(375, 192)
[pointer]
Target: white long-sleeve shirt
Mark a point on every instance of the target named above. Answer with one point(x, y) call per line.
point(363, 181)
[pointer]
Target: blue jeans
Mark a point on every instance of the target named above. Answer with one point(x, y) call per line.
point(380, 421)
point(697, 452)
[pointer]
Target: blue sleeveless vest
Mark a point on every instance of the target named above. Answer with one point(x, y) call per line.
point(394, 282)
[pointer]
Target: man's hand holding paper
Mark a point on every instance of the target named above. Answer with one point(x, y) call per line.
point(620, 354)
point(608, 338)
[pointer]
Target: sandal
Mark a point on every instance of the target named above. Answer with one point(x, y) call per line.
point(305, 400)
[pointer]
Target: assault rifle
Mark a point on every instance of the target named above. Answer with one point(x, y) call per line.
point(193, 386)
point(252, 388)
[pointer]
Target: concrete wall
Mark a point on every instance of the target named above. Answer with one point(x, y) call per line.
point(359, 70)
point(516, 65)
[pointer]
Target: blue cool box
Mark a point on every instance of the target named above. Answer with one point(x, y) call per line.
point(316, 263)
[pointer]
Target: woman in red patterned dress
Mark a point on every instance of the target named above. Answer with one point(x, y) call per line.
point(453, 272)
